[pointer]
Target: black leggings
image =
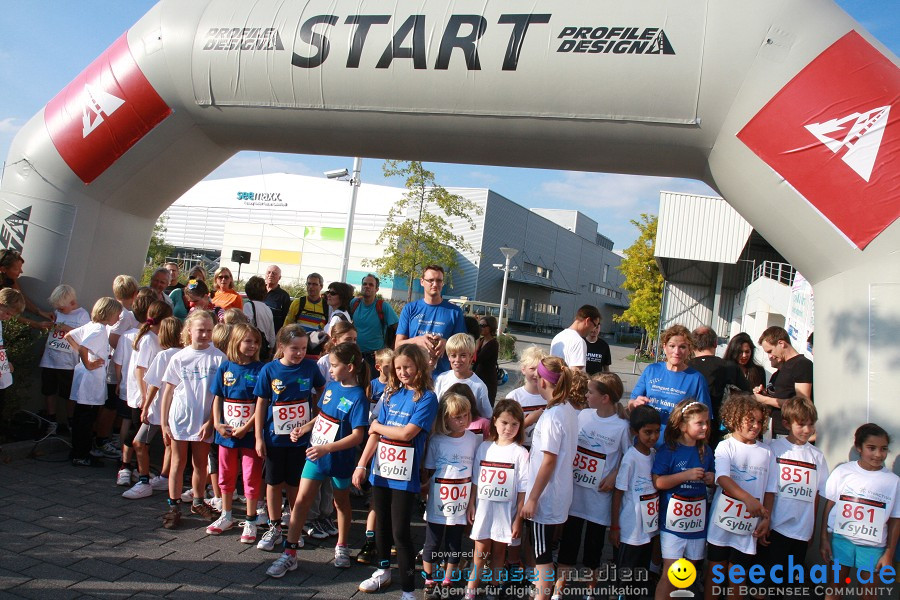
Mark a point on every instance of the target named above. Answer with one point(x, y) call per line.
point(82, 427)
point(451, 535)
point(393, 513)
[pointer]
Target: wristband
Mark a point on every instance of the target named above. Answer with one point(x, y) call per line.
point(355, 468)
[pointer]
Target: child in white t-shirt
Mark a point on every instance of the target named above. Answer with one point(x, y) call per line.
point(460, 350)
point(550, 472)
point(602, 441)
point(58, 361)
point(187, 414)
point(737, 515)
point(448, 464)
point(529, 395)
point(863, 512)
point(635, 503)
point(498, 492)
point(91, 343)
point(797, 476)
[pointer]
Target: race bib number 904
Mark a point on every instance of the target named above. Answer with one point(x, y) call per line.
point(452, 495)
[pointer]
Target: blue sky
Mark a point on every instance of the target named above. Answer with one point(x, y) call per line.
point(44, 44)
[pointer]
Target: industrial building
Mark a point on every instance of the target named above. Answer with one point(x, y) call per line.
point(299, 223)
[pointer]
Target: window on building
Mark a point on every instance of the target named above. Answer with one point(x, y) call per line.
point(605, 273)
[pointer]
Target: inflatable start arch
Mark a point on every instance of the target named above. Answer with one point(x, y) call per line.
point(788, 109)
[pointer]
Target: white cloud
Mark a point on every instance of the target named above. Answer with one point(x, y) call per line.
point(243, 164)
point(623, 194)
point(8, 125)
point(482, 177)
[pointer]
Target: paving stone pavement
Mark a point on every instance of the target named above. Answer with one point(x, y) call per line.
point(66, 532)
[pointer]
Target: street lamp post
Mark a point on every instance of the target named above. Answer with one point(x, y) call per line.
point(508, 253)
point(355, 181)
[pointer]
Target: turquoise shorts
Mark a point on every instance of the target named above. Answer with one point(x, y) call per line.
point(311, 471)
point(848, 554)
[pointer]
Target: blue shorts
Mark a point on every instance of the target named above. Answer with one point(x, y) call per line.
point(311, 471)
point(848, 554)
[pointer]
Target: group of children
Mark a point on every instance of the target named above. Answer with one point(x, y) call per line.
point(543, 477)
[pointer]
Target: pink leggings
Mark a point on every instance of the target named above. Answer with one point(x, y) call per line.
point(251, 465)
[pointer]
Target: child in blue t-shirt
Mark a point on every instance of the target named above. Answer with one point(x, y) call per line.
point(284, 391)
point(397, 441)
point(234, 408)
point(682, 470)
point(338, 429)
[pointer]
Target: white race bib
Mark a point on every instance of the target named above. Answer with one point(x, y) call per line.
point(650, 513)
point(452, 495)
point(288, 415)
point(325, 430)
point(56, 340)
point(394, 460)
point(860, 519)
point(797, 480)
point(733, 516)
point(529, 431)
point(588, 465)
point(496, 481)
point(686, 515)
point(238, 412)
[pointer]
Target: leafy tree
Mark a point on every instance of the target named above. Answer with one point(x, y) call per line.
point(159, 250)
point(642, 278)
point(417, 232)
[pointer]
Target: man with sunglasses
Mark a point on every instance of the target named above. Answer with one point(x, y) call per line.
point(431, 321)
point(569, 343)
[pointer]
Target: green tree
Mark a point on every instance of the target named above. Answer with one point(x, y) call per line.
point(642, 279)
point(159, 250)
point(418, 232)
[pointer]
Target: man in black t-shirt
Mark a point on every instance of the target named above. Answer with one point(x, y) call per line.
point(278, 300)
point(718, 372)
point(598, 357)
point(794, 376)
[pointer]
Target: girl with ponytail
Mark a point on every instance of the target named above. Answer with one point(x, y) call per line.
point(553, 446)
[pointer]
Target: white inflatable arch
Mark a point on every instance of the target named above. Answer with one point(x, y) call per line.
point(788, 109)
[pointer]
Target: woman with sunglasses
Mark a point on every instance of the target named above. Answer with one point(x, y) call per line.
point(338, 297)
point(487, 349)
point(225, 296)
point(10, 269)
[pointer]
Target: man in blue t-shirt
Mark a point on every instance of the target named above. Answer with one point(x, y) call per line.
point(431, 321)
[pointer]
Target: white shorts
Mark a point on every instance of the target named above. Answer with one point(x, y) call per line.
point(674, 547)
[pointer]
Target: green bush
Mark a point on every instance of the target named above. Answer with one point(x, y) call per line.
point(21, 343)
point(507, 347)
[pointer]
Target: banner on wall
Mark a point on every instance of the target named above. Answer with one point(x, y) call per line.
point(800, 321)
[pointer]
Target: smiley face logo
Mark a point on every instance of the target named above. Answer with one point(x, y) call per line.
point(682, 573)
point(277, 386)
point(228, 378)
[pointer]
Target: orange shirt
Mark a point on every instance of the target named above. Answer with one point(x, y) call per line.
point(226, 299)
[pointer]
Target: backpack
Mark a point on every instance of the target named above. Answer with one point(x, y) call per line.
point(388, 333)
point(264, 351)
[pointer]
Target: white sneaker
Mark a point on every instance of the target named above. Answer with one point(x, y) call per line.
point(135, 476)
point(408, 596)
point(379, 579)
point(215, 503)
point(262, 510)
point(342, 557)
point(159, 483)
point(187, 496)
point(282, 565)
point(248, 536)
point(270, 538)
point(123, 477)
point(221, 524)
point(138, 490)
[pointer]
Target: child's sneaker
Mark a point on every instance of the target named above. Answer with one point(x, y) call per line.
point(107, 450)
point(221, 524)
point(123, 477)
point(159, 483)
point(248, 536)
point(205, 511)
point(215, 504)
point(135, 476)
point(379, 579)
point(316, 530)
point(329, 527)
point(283, 564)
point(271, 537)
point(172, 518)
point(138, 490)
point(368, 554)
point(341, 557)
point(188, 495)
point(408, 596)
point(286, 517)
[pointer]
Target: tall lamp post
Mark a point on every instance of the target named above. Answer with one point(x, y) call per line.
point(508, 253)
point(355, 181)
